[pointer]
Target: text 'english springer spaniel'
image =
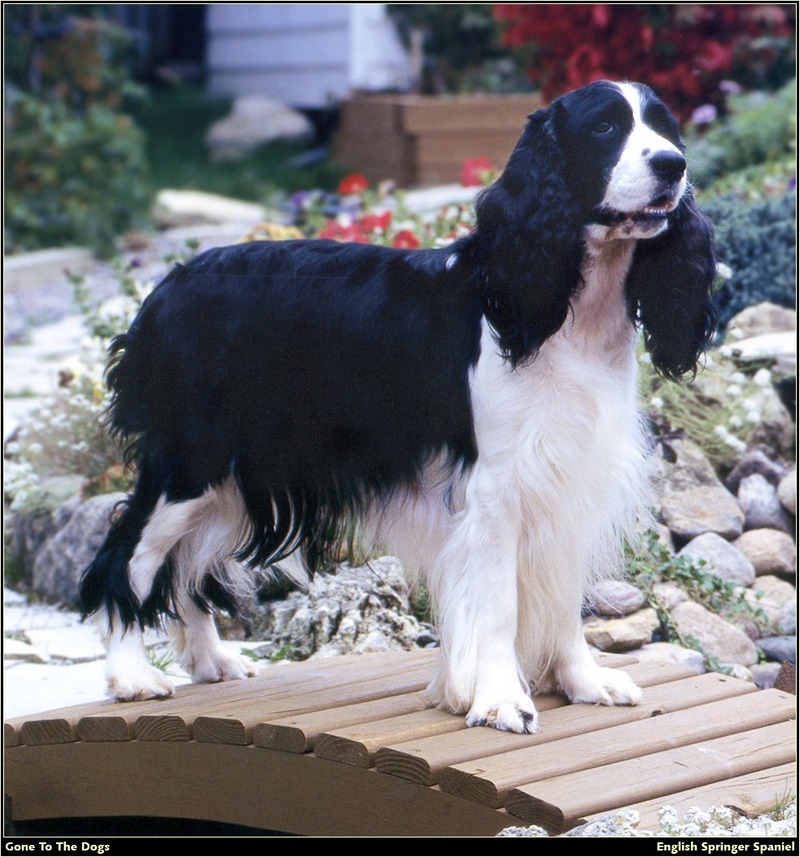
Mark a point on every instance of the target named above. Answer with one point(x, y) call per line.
point(475, 407)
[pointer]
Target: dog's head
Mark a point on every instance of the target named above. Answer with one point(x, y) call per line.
point(602, 163)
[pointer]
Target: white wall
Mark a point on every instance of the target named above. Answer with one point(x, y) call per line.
point(304, 54)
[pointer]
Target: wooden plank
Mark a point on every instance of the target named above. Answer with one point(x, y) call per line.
point(556, 804)
point(105, 729)
point(272, 691)
point(753, 794)
point(291, 792)
point(297, 734)
point(489, 780)
point(422, 761)
point(235, 724)
point(356, 745)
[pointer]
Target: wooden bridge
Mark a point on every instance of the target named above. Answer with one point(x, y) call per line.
point(349, 746)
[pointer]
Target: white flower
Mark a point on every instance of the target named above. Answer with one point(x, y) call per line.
point(734, 390)
point(739, 378)
point(735, 421)
point(753, 416)
point(657, 402)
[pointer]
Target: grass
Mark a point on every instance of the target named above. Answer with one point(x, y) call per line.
point(175, 122)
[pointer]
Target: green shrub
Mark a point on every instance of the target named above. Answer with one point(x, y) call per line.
point(71, 178)
point(75, 169)
point(761, 128)
point(757, 242)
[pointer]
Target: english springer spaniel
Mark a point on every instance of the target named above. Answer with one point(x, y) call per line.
point(474, 407)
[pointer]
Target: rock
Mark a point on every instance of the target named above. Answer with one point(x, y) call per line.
point(60, 562)
point(669, 594)
point(765, 674)
point(254, 121)
point(778, 347)
point(777, 601)
point(761, 506)
point(717, 637)
point(690, 468)
point(347, 610)
point(761, 318)
point(721, 557)
point(28, 531)
point(755, 462)
point(775, 431)
point(621, 635)
point(616, 598)
point(770, 551)
point(787, 492)
point(180, 208)
point(703, 509)
point(779, 649)
point(672, 653)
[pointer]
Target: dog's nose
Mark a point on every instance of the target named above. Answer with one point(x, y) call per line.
point(668, 165)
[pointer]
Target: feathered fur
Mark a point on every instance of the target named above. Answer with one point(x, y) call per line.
point(474, 406)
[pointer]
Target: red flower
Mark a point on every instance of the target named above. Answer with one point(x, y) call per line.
point(375, 222)
point(354, 183)
point(474, 171)
point(405, 240)
point(342, 232)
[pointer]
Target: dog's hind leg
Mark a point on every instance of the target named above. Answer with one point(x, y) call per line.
point(120, 584)
point(199, 649)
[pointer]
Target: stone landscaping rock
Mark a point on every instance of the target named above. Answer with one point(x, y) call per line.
point(721, 557)
point(362, 609)
point(616, 598)
point(755, 461)
point(779, 649)
point(60, 562)
point(621, 635)
point(703, 509)
point(770, 551)
point(690, 468)
point(787, 492)
point(254, 121)
point(179, 208)
point(761, 318)
point(717, 637)
point(777, 600)
point(671, 653)
point(759, 501)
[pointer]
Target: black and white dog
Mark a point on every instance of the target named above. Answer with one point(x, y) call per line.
point(475, 407)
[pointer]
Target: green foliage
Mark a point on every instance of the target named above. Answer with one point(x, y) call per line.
point(75, 170)
point(462, 47)
point(175, 122)
point(655, 564)
point(758, 243)
point(761, 128)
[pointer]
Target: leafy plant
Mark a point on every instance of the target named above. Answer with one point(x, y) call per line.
point(684, 51)
point(761, 129)
point(75, 170)
point(655, 564)
point(757, 242)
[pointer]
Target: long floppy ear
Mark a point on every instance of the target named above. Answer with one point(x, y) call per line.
point(528, 243)
point(669, 291)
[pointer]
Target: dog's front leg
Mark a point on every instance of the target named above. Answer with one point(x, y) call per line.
point(475, 597)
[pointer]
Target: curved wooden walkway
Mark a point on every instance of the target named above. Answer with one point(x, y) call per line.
point(349, 746)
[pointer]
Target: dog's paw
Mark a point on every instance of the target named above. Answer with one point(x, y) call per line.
point(142, 682)
point(600, 686)
point(510, 716)
point(215, 665)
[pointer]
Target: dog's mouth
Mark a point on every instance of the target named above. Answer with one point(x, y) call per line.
point(654, 212)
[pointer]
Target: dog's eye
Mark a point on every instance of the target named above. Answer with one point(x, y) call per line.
point(602, 127)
